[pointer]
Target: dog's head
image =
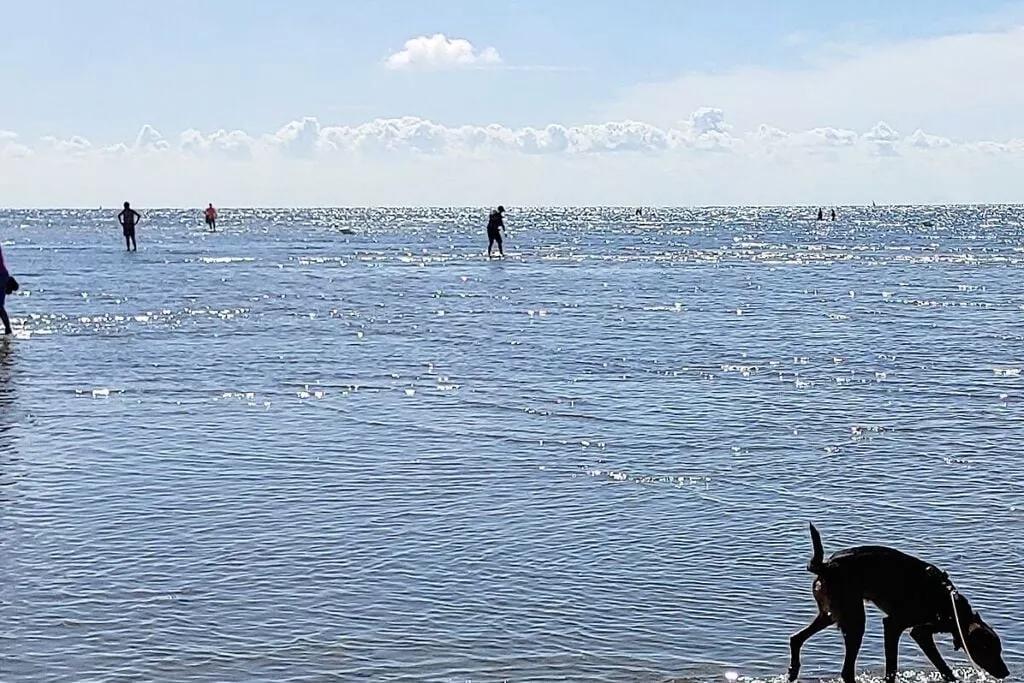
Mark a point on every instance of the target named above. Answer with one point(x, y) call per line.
point(983, 646)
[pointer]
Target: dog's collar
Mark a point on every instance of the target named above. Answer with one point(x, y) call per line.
point(950, 621)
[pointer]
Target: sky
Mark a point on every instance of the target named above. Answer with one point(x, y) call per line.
point(522, 102)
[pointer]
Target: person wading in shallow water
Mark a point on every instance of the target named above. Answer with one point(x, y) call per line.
point(7, 285)
point(128, 219)
point(211, 217)
point(495, 223)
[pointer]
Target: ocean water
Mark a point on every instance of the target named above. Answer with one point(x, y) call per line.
point(343, 445)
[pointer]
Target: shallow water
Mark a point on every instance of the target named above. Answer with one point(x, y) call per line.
point(281, 452)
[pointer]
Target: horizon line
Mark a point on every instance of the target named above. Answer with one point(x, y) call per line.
point(335, 207)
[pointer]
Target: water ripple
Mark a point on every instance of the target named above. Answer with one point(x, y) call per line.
point(343, 445)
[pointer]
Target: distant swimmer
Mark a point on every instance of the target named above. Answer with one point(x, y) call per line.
point(128, 219)
point(211, 217)
point(495, 224)
point(639, 212)
point(821, 215)
point(833, 214)
point(7, 285)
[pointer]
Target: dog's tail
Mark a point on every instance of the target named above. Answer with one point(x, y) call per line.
point(817, 562)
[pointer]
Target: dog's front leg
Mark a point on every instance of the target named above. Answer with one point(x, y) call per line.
point(925, 639)
point(893, 631)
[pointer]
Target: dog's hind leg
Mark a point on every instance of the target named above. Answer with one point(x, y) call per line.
point(925, 639)
point(850, 620)
point(893, 631)
point(820, 623)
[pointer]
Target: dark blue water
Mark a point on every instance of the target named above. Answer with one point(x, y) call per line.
point(286, 453)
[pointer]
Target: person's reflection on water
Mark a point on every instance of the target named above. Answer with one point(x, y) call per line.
point(8, 465)
point(6, 389)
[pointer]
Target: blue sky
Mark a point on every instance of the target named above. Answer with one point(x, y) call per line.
point(101, 70)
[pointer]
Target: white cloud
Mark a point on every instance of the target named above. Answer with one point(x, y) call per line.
point(703, 158)
point(708, 120)
point(235, 144)
point(884, 139)
point(882, 132)
point(75, 146)
point(149, 139)
point(440, 52)
point(964, 85)
point(11, 147)
point(706, 129)
point(298, 138)
point(923, 140)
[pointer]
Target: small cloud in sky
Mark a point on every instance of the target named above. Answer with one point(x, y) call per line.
point(439, 52)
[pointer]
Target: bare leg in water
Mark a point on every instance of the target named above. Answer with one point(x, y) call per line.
point(3, 301)
point(491, 241)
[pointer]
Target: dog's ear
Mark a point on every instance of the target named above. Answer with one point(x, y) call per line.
point(973, 625)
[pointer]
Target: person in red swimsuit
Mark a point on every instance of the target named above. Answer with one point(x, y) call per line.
point(211, 217)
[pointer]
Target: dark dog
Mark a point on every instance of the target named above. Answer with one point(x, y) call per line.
point(912, 593)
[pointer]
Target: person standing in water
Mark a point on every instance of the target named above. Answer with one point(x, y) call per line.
point(128, 219)
point(833, 214)
point(211, 217)
point(5, 280)
point(821, 215)
point(495, 224)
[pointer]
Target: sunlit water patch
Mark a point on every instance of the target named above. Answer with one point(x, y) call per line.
point(345, 445)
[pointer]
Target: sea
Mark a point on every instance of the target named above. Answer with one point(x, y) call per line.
point(344, 445)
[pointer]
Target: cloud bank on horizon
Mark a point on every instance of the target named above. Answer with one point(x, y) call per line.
point(700, 160)
point(904, 123)
point(393, 140)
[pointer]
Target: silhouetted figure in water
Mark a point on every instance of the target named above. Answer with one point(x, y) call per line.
point(639, 212)
point(210, 215)
point(7, 285)
point(833, 214)
point(128, 219)
point(821, 215)
point(495, 224)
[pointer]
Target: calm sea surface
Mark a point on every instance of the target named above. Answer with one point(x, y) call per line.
point(283, 452)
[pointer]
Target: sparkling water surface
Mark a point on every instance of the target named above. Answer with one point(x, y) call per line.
point(343, 445)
